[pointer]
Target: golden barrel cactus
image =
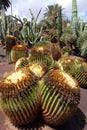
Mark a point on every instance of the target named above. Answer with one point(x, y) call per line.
point(21, 63)
point(38, 69)
point(19, 97)
point(18, 51)
point(66, 63)
point(76, 67)
point(60, 95)
point(81, 76)
point(41, 54)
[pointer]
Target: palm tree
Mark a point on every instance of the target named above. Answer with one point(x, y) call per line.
point(5, 3)
point(51, 14)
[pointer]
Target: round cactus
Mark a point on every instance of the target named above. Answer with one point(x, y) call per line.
point(66, 63)
point(75, 66)
point(38, 69)
point(10, 41)
point(41, 54)
point(19, 97)
point(18, 51)
point(21, 63)
point(81, 76)
point(60, 97)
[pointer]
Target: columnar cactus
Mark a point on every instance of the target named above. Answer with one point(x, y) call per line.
point(74, 17)
point(2, 21)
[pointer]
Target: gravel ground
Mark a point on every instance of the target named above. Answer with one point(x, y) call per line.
point(75, 123)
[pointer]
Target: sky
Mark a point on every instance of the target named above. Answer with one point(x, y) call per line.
point(21, 8)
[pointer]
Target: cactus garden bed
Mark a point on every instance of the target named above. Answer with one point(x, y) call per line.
point(76, 122)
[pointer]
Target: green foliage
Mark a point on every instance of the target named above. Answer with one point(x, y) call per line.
point(32, 34)
point(68, 38)
point(43, 43)
point(84, 49)
point(51, 14)
point(81, 39)
point(66, 27)
point(29, 29)
point(71, 38)
point(5, 3)
point(68, 42)
point(45, 23)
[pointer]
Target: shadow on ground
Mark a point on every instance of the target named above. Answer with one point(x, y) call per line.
point(77, 122)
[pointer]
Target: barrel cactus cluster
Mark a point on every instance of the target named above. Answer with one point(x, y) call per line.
point(40, 85)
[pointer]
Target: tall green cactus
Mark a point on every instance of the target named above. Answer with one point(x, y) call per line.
point(2, 22)
point(59, 23)
point(74, 17)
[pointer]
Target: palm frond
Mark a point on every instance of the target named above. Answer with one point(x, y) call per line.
point(5, 3)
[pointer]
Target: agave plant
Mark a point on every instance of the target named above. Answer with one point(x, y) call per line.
point(31, 33)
